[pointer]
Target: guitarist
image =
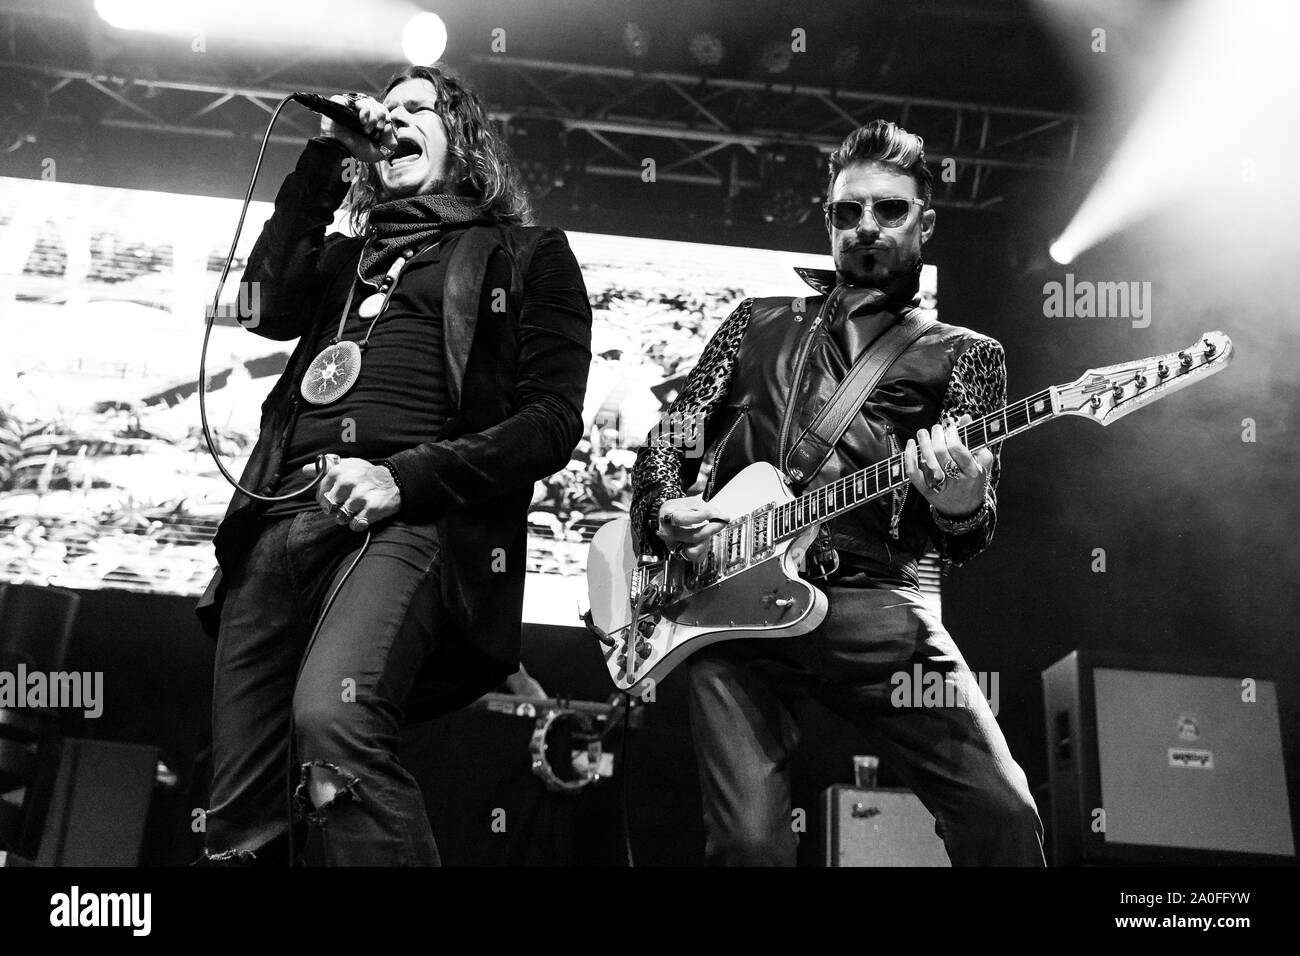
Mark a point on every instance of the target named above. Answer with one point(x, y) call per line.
point(759, 384)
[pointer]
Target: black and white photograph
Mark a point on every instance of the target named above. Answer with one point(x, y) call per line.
point(557, 436)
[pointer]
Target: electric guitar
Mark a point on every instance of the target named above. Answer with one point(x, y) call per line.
point(651, 615)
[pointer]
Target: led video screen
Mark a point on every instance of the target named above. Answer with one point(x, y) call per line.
point(105, 477)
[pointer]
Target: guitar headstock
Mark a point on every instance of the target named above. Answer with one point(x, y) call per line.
point(1108, 394)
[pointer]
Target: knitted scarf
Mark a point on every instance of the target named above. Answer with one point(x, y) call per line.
point(401, 224)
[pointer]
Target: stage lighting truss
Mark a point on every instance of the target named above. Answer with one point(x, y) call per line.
point(711, 131)
point(702, 131)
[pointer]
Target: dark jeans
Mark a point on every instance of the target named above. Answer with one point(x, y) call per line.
point(343, 693)
point(743, 695)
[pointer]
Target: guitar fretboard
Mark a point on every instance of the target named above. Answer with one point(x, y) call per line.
point(879, 479)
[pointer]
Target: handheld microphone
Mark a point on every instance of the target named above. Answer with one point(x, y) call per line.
point(345, 116)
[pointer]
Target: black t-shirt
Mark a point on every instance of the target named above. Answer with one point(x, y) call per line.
point(400, 396)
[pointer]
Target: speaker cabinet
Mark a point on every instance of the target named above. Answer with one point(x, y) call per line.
point(93, 811)
point(879, 827)
point(1154, 766)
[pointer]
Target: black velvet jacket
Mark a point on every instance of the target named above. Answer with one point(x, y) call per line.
point(516, 381)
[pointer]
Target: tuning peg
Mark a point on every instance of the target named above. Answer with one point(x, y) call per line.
point(1184, 361)
point(1209, 349)
point(1117, 392)
point(1095, 402)
point(1140, 380)
point(1162, 369)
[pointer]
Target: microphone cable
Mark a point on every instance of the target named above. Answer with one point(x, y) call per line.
point(211, 317)
point(624, 815)
point(320, 619)
point(212, 449)
point(216, 306)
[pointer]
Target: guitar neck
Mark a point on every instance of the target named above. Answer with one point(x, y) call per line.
point(874, 481)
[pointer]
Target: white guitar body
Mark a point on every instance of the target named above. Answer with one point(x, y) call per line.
point(765, 599)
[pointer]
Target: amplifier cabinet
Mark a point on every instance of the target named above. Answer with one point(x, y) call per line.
point(879, 827)
point(1149, 765)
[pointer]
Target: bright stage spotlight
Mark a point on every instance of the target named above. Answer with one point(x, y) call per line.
point(373, 30)
point(424, 39)
point(1061, 254)
point(136, 14)
point(1224, 106)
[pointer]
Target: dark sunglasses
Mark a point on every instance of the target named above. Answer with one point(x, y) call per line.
point(847, 213)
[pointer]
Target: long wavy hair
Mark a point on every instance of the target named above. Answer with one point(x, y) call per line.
point(480, 165)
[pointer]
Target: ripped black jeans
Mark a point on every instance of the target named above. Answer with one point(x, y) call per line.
point(343, 691)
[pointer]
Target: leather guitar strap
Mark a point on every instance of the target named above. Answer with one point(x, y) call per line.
point(819, 439)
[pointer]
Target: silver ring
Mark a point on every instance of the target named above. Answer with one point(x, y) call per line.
point(953, 470)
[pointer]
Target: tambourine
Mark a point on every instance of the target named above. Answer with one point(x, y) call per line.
point(582, 729)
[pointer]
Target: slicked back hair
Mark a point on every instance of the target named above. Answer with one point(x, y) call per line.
point(884, 142)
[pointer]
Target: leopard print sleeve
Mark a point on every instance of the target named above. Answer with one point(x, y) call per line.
point(663, 465)
point(977, 386)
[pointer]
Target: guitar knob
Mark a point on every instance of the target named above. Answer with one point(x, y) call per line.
point(784, 602)
point(644, 649)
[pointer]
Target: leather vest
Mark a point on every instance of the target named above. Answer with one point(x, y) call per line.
point(766, 410)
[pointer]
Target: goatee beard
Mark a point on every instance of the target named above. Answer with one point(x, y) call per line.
point(887, 282)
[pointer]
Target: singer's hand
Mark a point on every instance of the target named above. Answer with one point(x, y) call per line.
point(374, 118)
point(367, 491)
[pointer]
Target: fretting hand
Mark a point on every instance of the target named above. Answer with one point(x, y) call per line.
point(948, 474)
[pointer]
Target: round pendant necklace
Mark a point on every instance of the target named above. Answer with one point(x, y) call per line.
point(335, 370)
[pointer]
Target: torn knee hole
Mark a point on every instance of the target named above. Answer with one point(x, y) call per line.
point(320, 785)
point(232, 857)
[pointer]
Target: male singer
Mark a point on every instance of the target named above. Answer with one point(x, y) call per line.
point(441, 365)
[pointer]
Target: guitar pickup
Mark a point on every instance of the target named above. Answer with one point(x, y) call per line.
point(733, 546)
point(760, 533)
